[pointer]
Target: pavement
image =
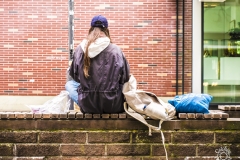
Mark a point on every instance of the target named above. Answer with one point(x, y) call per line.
point(19, 103)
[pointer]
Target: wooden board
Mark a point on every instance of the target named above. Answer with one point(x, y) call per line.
point(229, 107)
point(214, 114)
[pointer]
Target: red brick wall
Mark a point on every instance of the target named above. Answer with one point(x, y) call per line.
point(34, 42)
point(116, 139)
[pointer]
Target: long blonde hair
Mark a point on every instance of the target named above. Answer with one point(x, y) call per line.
point(93, 34)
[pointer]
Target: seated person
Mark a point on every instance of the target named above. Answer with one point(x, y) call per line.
point(99, 69)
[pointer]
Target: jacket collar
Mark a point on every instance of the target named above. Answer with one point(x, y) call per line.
point(96, 47)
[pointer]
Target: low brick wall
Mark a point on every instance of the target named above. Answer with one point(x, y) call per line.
point(116, 137)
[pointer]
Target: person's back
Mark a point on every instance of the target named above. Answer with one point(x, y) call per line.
point(101, 69)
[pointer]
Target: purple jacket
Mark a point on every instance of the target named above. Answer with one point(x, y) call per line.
point(101, 92)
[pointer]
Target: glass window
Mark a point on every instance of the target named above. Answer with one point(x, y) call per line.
point(221, 51)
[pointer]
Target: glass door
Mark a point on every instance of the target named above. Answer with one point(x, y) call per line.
point(221, 51)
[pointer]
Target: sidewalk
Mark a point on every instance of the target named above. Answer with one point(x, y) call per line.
point(18, 103)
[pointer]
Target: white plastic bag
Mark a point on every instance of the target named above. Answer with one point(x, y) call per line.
point(59, 104)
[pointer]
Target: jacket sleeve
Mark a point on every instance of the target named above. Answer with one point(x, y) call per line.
point(126, 71)
point(73, 71)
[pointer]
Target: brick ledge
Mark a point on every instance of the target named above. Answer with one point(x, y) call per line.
point(116, 124)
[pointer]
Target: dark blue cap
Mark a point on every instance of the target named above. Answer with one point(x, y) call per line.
point(99, 21)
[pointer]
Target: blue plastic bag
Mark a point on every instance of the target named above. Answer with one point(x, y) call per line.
point(191, 103)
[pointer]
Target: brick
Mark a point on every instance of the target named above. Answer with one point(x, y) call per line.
point(201, 158)
point(62, 137)
point(235, 149)
point(191, 115)
point(155, 158)
point(227, 137)
point(29, 158)
point(217, 116)
point(237, 107)
point(11, 116)
point(108, 137)
point(199, 115)
point(88, 116)
point(193, 137)
point(6, 150)
point(79, 115)
point(207, 116)
point(182, 115)
point(4, 116)
point(96, 116)
point(46, 116)
point(82, 150)
point(143, 137)
point(114, 116)
point(37, 116)
point(225, 116)
point(20, 115)
point(174, 158)
point(29, 116)
point(174, 150)
point(91, 124)
point(54, 116)
point(37, 150)
point(96, 158)
point(122, 115)
point(72, 115)
point(6, 158)
point(224, 107)
point(106, 116)
point(207, 150)
point(158, 150)
point(17, 124)
point(63, 116)
point(128, 150)
point(18, 137)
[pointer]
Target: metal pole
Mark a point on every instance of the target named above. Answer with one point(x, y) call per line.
point(71, 28)
point(70, 41)
point(177, 47)
point(183, 10)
